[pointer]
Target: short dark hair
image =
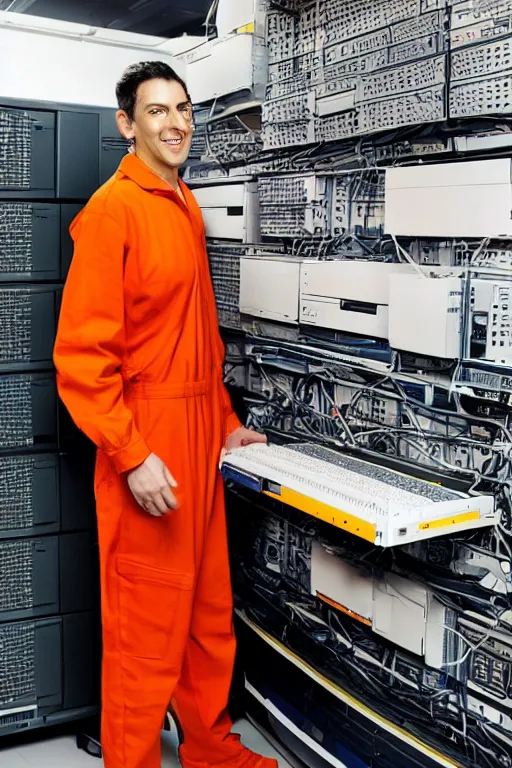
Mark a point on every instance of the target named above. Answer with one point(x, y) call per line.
point(135, 75)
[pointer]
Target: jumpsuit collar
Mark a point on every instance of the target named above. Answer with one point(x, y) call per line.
point(136, 170)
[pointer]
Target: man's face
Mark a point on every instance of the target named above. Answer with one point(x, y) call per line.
point(162, 124)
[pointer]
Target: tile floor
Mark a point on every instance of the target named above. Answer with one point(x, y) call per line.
point(62, 752)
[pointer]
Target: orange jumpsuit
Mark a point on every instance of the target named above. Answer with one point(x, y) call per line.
point(139, 362)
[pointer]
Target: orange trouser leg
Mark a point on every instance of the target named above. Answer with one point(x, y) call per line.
point(139, 671)
point(147, 596)
point(201, 697)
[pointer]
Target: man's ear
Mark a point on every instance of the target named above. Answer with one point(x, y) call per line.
point(125, 125)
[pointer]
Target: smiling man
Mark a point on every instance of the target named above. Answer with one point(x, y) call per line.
point(139, 362)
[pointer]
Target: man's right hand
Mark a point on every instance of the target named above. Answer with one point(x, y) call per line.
point(151, 485)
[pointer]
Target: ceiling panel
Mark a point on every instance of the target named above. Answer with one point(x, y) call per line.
point(165, 18)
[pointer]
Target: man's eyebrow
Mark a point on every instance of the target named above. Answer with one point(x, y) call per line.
point(186, 103)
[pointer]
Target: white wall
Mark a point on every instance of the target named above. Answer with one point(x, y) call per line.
point(49, 62)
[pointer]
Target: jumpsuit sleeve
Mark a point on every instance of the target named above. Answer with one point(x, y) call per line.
point(90, 344)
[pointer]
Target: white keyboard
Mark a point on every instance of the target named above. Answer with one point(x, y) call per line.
point(394, 508)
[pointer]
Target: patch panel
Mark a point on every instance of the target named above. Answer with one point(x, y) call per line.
point(411, 77)
point(291, 134)
point(361, 196)
point(198, 146)
point(337, 64)
point(285, 110)
point(335, 127)
point(462, 38)
point(226, 290)
point(224, 259)
point(281, 37)
point(357, 17)
point(419, 48)
point(285, 69)
point(293, 206)
point(291, 190)
point(472, 21)
point(482, 33)
point(296, 86)
point(358, 47)
point(309, 23)
point(489, 96)
point(346, 86)
point(485, 60)
point(481, 62)
point(422, 107)
point(429, 23)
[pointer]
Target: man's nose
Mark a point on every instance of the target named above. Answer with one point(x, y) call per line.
point(176, 119)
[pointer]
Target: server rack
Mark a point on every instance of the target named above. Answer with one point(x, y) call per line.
point(52, 158)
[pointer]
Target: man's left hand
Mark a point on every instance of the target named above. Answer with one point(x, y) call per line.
point(242, 437)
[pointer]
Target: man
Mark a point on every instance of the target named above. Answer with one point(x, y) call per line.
point(139, 362)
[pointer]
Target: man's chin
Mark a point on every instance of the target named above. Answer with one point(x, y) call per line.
point(177, 160)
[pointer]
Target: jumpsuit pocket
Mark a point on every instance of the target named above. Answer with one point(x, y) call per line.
point(150, 602)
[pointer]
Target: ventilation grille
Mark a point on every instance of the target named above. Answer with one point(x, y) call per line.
point(15, 149)
point(17, 663)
